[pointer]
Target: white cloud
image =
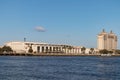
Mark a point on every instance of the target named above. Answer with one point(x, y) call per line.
point(40, 29)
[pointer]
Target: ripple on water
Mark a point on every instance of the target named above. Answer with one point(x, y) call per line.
point(59, 68)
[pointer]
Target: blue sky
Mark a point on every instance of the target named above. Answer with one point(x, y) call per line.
point(74, 22)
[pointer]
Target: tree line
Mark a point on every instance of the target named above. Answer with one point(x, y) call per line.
point(104, 51)
point(5, 49)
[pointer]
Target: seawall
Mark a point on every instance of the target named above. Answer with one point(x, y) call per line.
point(52, 54)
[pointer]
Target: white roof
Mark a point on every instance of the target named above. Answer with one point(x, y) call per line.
point(26, 42)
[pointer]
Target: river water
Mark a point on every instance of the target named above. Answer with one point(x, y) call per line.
point(59, 68)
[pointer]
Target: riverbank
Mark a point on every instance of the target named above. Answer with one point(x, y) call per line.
point(53, 54)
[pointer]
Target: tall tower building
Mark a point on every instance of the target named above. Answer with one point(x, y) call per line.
point(107, 40)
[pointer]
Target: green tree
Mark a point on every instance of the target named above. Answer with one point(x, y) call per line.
point(104, 51)
point(30, 50)
point(83, 50)
point(117, 51)
point(7, 49)
point(110, 52)
point(91, 50)
point(0, 50)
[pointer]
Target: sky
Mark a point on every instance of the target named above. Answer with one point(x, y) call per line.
point(73, 22)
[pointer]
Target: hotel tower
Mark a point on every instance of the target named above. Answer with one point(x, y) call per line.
point(107, 40)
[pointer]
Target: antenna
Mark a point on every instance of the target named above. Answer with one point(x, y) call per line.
point(24, 39)
point(103, 30)
point(111, 31)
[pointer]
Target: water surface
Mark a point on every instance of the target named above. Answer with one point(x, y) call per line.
point(59, 68)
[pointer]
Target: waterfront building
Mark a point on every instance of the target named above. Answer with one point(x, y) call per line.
point(38, 47)
point(23, 47)
point(107, 41)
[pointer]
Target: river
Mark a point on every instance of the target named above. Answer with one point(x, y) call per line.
point(59, 68)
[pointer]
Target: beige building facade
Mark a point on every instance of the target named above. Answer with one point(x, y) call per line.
point(107, 40)
point(23, 47)
point(38, 47)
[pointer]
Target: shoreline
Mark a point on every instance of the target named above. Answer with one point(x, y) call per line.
point(55, 54)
